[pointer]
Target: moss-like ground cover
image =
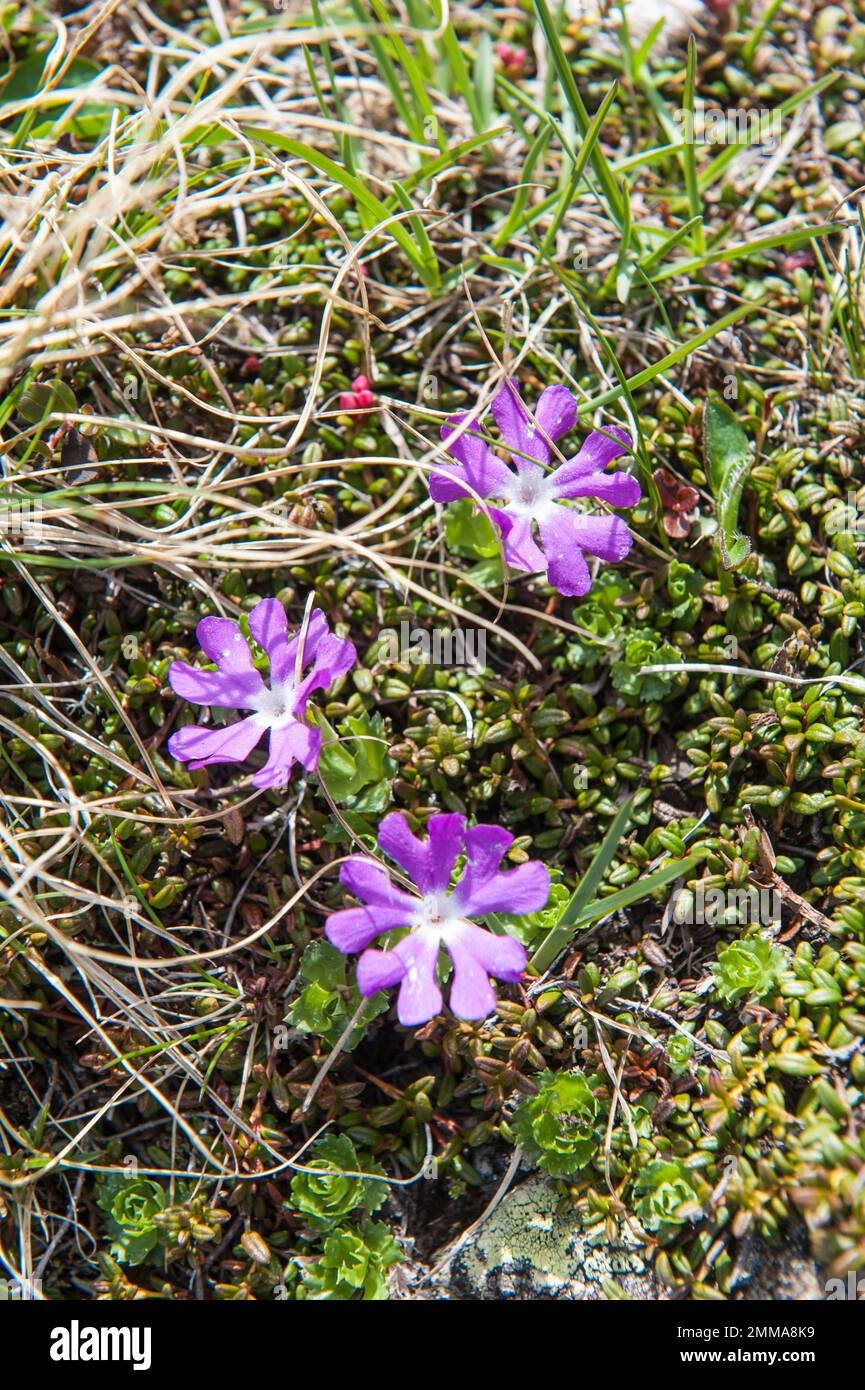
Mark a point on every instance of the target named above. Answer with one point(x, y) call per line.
point(218, 218)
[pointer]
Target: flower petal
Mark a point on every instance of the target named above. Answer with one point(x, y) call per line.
point(372, 884)
point(584, 476)
point(597, 450)
point(605, 536)
point(472, 995)
point(523, 889)
point(353, 928)
point(502, 956)
point(565, 534)
point(294, 742)
point(484, 888)
point(378, 970)
point(420, 998)
point(481, 474)
point(230, 744)
point(228, 691)
point(222, 641)
point(485, 846)
point(555, 414)
point(428, 863)
point(476, 955)
point(333, 657)
point(617, 488)
point(268, 623)
point(556, 411)
point(519, 432)
point(520, 546)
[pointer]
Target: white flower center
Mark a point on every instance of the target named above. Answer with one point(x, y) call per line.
point(531, 492)
point(436, 916)
point(274, 708)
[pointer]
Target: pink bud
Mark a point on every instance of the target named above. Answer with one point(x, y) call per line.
point(364, 399)
point(360, 383)
point(797, 260)
point(348, 401)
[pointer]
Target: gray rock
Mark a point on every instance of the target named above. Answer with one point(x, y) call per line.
point(786, 1273)
point(681, 17)
point(527, 1250)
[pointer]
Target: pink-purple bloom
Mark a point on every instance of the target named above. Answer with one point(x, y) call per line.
point(438, 917)
point(529, 493)
point(279, 709)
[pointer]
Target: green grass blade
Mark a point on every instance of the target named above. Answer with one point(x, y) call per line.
point(556, 939)
point(606, 177)
point(695, 205)
point(432, 277)
point(792, 237)
point(514, 218)
point(593, 877)
point(561, 937)
point(669, 243)
point(273, 139)
point(572, 183)
point(449, 46)
point(424, 116)
point(671, 360)
point(756, 34)
point(449, 158)
point(389, 73)
point(721, 162)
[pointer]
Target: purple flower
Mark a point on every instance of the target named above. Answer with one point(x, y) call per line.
point(439, 917)
point(530, 493)
point(235, 684)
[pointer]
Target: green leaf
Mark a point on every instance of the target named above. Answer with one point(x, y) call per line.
point(328, 1192)
point(643, 648)
point(323, 965)
point(729, 454)
point(337, 769)
point(750, 966)
point(26, 78)
point(327, 1003)
point(415, 221)
point(484, 77)
point(449, 158)
point(451, 51)
point(672, 359)
point(561, 935)
point(355, 757)
point(42, 398)
point(556, 1129)
point(755, 246)
point(468, 531)
point(593, 876)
